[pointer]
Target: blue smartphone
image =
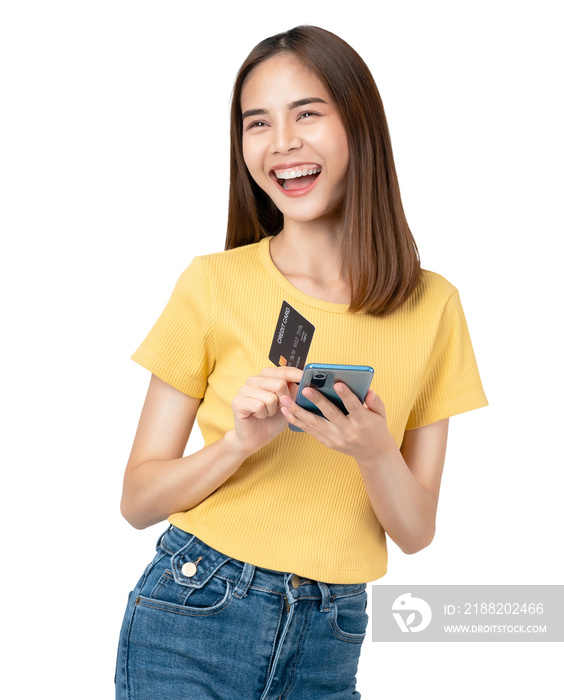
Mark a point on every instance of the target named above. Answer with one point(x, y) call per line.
point(323, 377)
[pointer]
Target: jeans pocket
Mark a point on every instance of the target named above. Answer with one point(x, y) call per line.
point(348, 617)
point(212, 596)
point(189, 581)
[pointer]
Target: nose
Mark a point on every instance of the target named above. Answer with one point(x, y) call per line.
point(285, 138)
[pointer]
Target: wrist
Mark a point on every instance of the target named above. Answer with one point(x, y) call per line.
point(385, 450)
point(235, 446)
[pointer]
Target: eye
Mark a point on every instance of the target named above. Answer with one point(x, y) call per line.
point(253, 125)
point(307, 114)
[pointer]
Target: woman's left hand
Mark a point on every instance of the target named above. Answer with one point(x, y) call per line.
point(360, 434)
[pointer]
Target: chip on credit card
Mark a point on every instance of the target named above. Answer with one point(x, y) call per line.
point(292, 338)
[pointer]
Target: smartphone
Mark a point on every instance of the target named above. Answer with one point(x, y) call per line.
point(323, 377)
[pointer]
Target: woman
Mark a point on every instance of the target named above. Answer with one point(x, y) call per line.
point(257, 589)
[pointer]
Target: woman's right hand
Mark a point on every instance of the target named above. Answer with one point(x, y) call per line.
point(256, 407)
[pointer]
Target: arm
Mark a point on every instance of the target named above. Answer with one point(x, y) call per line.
point(159, 481)
point(402, 485)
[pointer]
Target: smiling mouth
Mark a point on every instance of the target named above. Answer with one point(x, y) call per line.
point(296, 178)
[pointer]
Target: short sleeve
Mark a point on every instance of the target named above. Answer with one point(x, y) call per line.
point(180, 349)
point(451, 383)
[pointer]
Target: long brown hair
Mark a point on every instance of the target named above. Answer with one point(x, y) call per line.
point(379, 251)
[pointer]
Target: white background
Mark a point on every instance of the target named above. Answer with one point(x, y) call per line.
point(114, 174)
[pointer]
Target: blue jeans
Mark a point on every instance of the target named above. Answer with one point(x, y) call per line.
point(201, 626)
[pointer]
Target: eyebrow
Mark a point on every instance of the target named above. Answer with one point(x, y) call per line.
point(291, 106)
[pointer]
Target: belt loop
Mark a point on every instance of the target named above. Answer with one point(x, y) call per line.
point(244, 581)
point(169, 528)
point(325, 597)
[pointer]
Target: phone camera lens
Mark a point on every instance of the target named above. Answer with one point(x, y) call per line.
point(318, 379)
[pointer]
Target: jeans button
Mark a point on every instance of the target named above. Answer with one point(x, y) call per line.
point(295, 581)
point(190, 567)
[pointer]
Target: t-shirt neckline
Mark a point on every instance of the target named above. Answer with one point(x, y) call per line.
point(264, 252)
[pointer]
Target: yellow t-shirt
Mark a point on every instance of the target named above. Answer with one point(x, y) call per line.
point(296, 505)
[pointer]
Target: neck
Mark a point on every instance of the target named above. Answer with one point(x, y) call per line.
point(310, 253)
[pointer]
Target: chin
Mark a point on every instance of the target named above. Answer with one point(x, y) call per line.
point(309, 212)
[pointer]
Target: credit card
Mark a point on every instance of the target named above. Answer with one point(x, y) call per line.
point(292, 338)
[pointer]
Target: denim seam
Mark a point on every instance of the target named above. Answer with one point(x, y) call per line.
point(184, 609)
point(241, 587)
point(292, 672)
point(347, 595)
point(126, 660)
point(193, 541)
point(340, 634)
point(273, 645)
point(136, 591)
point(168, 577)
point(233, 581)
point(334, 596)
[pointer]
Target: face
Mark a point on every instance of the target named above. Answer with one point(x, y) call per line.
point(294, 143)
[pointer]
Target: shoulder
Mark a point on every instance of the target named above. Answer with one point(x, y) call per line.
point(433, 291)
point(210, 268)
point(427, 304)
point(435, 285)
point(230, 258)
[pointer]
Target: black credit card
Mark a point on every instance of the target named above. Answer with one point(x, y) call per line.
point(292, 338)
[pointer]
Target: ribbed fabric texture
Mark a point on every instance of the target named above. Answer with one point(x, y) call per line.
point(296, 505)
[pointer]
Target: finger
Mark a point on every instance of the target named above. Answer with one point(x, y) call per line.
point(289, 374)
point(375, 403)
point(256, 401)
point(294, 388)
point(276, 385)
point(349, 398)
point(298, 416)
point(247, 407)
point(330, 411)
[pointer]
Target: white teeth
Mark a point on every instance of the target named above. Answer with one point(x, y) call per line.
point(290, 174)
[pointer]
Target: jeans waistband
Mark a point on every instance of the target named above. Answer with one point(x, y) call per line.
point(194, 562)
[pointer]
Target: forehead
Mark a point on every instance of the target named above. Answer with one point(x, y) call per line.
point(280, 79)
